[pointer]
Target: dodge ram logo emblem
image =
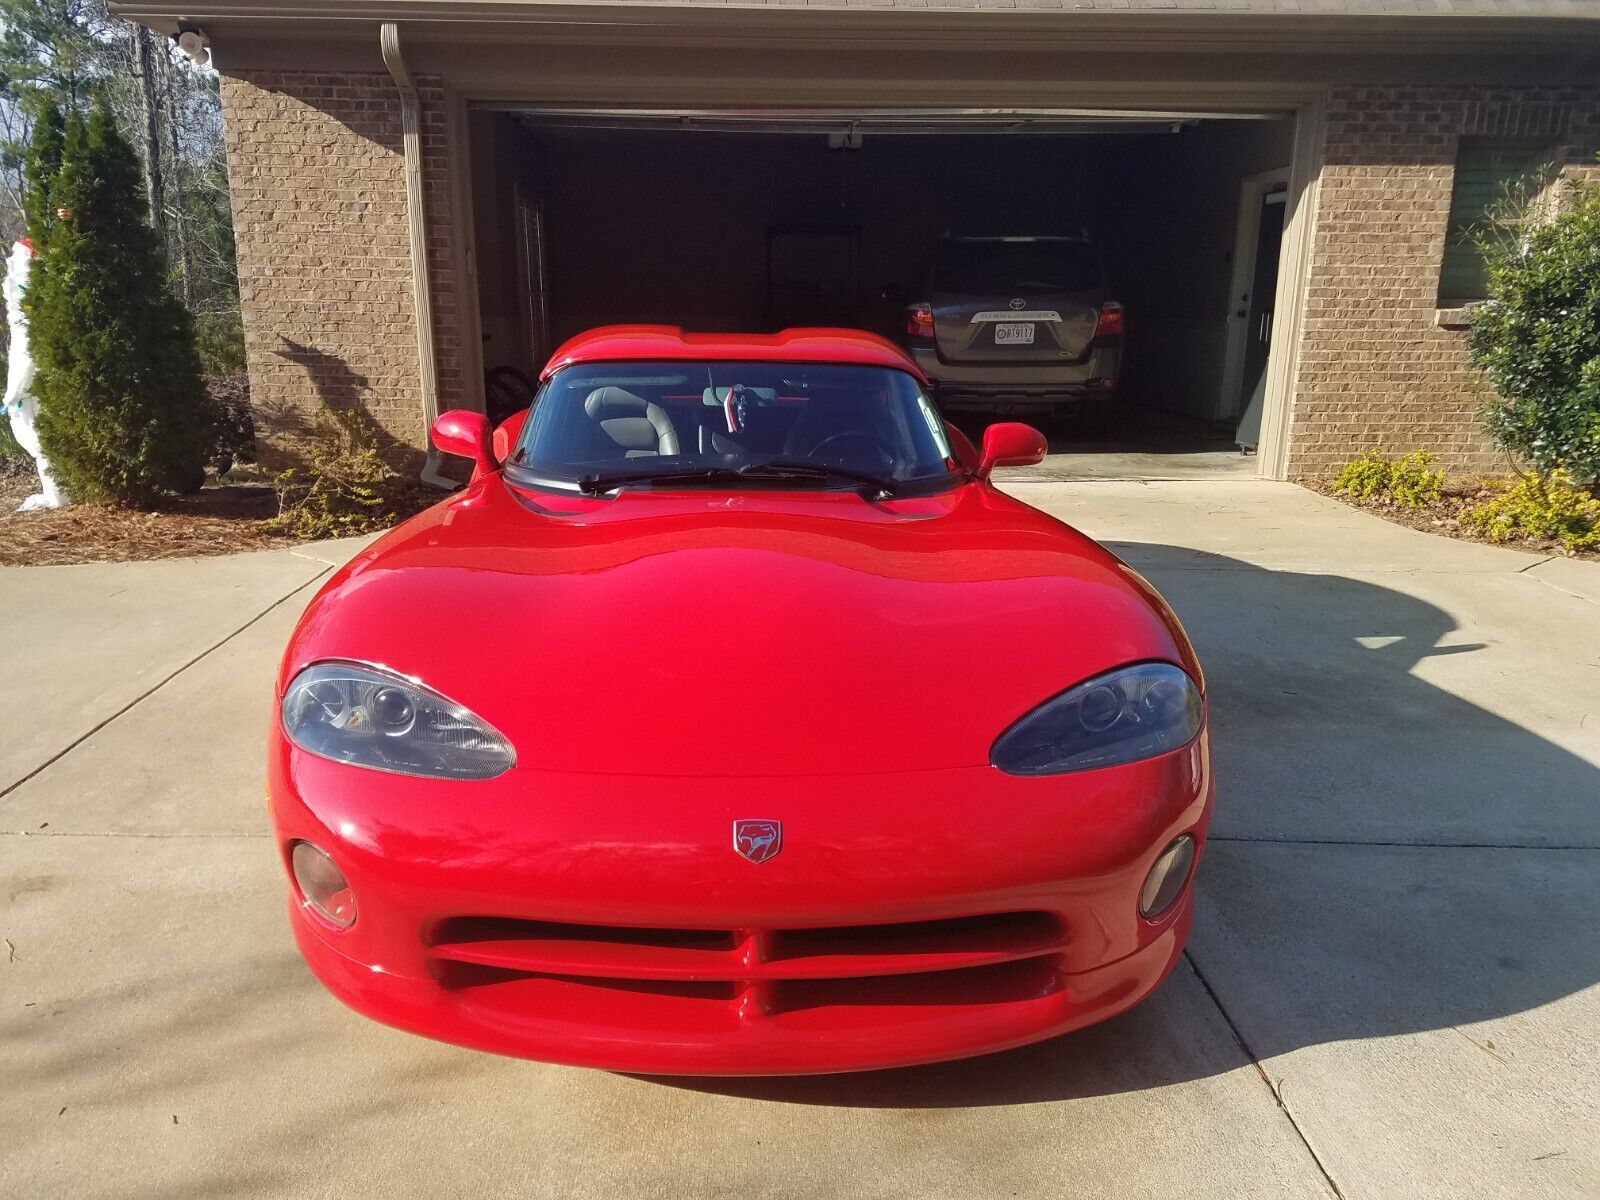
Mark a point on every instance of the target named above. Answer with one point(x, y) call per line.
point(757, 840)
point(1019, 303)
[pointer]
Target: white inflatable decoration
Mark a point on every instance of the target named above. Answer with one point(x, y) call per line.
point(21, 404)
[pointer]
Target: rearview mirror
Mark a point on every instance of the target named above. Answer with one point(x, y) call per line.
point(462, 432)
point(1010, 444)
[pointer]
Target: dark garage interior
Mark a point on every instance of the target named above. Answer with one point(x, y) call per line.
point(759, 223)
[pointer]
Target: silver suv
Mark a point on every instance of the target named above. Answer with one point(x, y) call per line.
point(1018, 324)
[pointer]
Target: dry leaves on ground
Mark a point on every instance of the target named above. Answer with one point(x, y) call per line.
point(219, 520)
point(222, 519)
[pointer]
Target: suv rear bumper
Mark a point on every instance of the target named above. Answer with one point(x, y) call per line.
point(1038, 388)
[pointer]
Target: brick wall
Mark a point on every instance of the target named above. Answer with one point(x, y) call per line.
point(318, 180)
point(1376, 370)
point(318, 183)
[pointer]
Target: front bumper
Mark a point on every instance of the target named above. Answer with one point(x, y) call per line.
point(906, 918)
point(584, 1024)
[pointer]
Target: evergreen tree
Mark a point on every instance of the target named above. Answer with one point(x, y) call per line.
point(122, 410)
point(41, 167)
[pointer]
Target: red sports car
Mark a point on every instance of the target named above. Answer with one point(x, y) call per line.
point(731, 721)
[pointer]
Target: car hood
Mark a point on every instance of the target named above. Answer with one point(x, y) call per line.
point(759, 633)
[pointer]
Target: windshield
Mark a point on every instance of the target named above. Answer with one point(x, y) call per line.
point(988, 267)
point(755, 424)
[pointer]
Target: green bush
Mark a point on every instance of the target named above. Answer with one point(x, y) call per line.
point(14, 460)
point(1409, 481)
point(1543, 509)
point(346, 488)
point(122, 412)
point(1412, 481)
point(219, 339)
point(1537, 338)
point(1363, 478)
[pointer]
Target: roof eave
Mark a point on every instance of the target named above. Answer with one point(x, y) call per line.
point(1127, 30)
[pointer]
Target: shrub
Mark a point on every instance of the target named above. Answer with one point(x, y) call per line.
point(219, 339)
point(122, 411)
point(1537, 338)
point(232, 422)
point(1409, 481)
point(346, 488)
point(1544, 509)
point(1412, 481)
point(1363, 478)
point(14, 460)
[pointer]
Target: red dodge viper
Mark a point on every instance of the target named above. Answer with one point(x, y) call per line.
point(730, 721)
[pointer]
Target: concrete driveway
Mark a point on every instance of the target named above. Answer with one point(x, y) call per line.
point(1391, 989)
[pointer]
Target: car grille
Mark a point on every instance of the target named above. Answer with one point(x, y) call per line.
point(748, 974)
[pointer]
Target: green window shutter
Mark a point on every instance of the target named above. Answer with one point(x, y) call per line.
point(1485, 169)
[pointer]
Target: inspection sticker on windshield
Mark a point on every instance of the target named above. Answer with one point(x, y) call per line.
point(1014, 334)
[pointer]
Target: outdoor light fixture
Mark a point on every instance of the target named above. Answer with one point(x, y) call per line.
point(196, 46)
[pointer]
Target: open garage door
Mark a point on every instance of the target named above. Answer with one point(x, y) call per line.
point(1094, 272)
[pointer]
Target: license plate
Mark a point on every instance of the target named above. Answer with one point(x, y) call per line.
point(1014, 334)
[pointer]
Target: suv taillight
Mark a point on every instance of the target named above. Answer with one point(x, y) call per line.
point(919, 320)
point(1110, 322)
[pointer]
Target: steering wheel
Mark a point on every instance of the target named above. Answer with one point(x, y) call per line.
point(866, 440)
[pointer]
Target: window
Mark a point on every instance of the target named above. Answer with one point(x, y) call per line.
point(1016, 267)
point(733, 425)
point(1486, 168)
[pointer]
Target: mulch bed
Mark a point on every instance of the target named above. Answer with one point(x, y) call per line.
point(1444, 518)
point(223, 518)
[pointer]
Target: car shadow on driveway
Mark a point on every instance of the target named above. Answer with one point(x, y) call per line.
point(1387, 858)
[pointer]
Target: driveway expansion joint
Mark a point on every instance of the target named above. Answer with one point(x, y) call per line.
point(1414, 845)
point(126, 833)
point(156, 687)
point(1275, 1088)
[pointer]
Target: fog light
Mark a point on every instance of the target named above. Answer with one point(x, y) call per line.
point(323, 885)
point(1166, 878)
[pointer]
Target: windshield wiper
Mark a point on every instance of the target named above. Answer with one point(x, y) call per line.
point(794, 468)
point(777, 469)
point(599, 485)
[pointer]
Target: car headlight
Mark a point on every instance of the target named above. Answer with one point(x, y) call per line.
point(1120, 717)
point(371, 718)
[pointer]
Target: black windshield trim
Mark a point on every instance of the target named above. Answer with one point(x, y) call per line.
point(916, 486)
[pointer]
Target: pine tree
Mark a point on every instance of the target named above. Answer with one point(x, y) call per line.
point(122, 410)
point(41, 167)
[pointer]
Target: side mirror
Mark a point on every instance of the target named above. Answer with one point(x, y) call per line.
point(465, 433)
point(507, 434)
point(1010, 444)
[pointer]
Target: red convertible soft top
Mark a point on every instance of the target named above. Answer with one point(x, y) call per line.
point(636, 343)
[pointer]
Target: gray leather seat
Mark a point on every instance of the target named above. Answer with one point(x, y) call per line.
point(640, 428)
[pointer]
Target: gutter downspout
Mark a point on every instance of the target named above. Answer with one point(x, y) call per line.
point(421, 289)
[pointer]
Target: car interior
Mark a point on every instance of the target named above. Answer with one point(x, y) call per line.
point(853, 420)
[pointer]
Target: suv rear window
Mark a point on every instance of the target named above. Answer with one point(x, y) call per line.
point(986, 267)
